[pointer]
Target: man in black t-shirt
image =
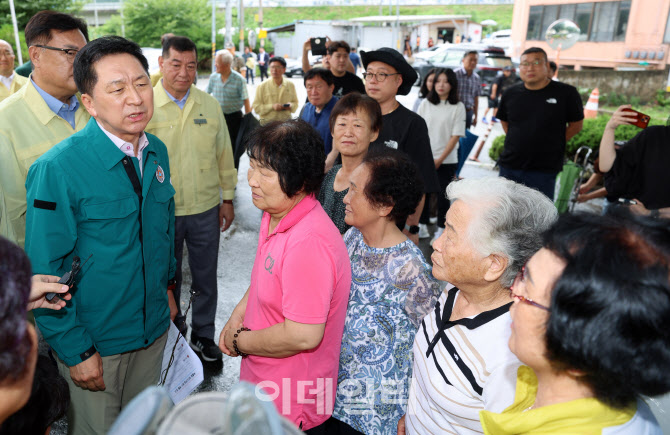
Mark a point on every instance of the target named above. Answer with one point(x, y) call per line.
point(345, 81)
point(539, 117)
point(388, 74)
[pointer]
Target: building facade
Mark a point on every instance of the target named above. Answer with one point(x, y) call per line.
point(621, 34)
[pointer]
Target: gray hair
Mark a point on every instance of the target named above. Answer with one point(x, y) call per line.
point(225, 56)
point(509, 219)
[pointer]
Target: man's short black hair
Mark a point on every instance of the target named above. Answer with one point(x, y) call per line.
point(15, 282)
point(325, 75)
point(38, 30)
point(336, 45)
point(278, 59)
point(294, 150)
point(180, 44)
point(394, 181)
point(48, 402)
point(84, 64)
point(468, 53)
point(535, 50)
point(610, 307)
point(553, 66)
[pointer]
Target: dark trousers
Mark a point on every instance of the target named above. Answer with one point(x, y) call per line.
point(233, 120)
point(250, 72)
point(333, 426)
point(468, 118)
point(201, 233)
point(545, 182)
point(264, 71)
point(445, 175)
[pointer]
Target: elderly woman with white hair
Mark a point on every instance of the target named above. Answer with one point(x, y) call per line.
point(462, 364)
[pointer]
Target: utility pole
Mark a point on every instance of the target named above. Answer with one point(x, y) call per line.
point(229, 19)
point(16, 32)
point(260, 20)
point(241, 16)
point(213, 35)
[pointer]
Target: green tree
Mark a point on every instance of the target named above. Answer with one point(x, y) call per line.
point(146, 20)
point(7, 33)
point(26, 9)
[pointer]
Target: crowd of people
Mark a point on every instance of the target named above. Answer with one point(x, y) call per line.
point(523, 321)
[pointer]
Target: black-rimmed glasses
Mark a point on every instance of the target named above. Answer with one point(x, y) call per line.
point(70, 53)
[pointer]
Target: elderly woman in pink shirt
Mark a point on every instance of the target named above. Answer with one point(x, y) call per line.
point(288, 326)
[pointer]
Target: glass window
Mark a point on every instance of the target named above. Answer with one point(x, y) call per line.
point(603, 17)
point(583, 19)
point(534, 19)
point(667, 31)
point(549, 16)
point(498, 62)
point(622, 21)
point(568, 11)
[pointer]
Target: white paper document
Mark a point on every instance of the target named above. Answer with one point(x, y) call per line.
point(185, 374)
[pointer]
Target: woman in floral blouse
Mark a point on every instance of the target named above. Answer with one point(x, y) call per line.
point(391, 290)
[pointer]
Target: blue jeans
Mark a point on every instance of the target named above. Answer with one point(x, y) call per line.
point(545, 182)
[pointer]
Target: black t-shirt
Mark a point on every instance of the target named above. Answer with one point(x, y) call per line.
point(642, 169)
point(502, 83)
point(537, 121)
point(406, 131)
point(349, 82)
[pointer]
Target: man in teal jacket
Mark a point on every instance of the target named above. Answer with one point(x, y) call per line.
point(105, 192)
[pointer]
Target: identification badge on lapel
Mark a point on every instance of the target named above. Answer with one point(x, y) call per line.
point(160, 175)
point(200, 121)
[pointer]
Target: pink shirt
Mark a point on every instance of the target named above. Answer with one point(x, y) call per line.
point(126, 147)
point(301, 273)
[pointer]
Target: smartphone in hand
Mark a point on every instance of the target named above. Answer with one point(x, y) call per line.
point(642, 120)
point(318, 46)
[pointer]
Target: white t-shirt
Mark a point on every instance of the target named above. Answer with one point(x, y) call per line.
point(444, 120)
point(470, 368)
point(643, 422)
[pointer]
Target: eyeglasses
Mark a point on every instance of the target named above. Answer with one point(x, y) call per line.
point(70, 53)
point(380, 77)
point(6, 53)
point(521, 276)
point(533, 63)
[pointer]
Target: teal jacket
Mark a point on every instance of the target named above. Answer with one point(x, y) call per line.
point(82, 202)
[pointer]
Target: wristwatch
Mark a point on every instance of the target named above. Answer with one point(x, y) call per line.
point(412, 229)
point(655, 213)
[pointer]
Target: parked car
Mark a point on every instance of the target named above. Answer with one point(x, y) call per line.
point(430, 52)
point(294, 67)
point(491, 62)
point(501, 38)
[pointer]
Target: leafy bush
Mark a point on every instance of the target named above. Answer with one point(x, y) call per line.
point(497, 147)
point(590, 136)
point(592, 133)
point(661, 98)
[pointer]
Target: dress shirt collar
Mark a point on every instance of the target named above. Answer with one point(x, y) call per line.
point(7, 81)
point(181, 103)
point(126, 147)
point(56, 105)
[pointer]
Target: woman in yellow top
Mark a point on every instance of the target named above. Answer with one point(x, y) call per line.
point(591, 316)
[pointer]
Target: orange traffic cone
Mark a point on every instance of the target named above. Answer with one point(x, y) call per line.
point(591, 108)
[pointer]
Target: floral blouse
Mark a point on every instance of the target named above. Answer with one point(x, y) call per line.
point(391, 291)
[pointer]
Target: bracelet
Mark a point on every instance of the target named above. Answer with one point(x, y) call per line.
point(227, 201)
point(237, 350)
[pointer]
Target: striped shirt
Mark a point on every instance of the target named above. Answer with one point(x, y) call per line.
point(460, 368)
point(231, 94)
point(469, 87)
